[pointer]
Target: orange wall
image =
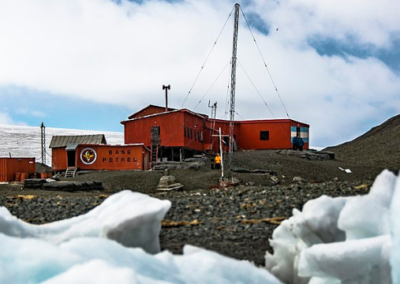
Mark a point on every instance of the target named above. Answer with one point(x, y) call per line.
point(10, 166)
point(249, 135)
point(172, 131)
point(196, 125)
point(139, 131)
point(112, 157)
point(107, 157)
point(58, 159)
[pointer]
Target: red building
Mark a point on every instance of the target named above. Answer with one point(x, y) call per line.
point(177, 134)
point(91, 152)
point(15, 169)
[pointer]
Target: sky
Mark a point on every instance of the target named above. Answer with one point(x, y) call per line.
point(90, 64)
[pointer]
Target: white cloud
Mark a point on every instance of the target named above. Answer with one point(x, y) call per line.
point(123, 54)
point(5, 119)
point(29, 112)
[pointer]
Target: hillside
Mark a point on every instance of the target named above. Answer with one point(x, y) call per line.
point(380, 146)
point(24, 141)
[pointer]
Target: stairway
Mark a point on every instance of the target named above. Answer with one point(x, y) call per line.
point(70, 172)
point(154, 154)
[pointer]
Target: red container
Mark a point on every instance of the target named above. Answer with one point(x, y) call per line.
point(10, 167)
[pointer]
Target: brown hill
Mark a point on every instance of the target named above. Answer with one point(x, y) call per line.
point(379, 147)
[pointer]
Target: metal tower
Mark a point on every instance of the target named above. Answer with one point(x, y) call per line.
point(233, 85)
point(43, 142)
point(213, 109)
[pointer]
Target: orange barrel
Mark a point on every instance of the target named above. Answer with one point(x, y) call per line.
point(17, 176)
point(45, 175)
point(23, 176)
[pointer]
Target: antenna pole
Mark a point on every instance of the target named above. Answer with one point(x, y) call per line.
point(166, 88)
point(43, 142)
point(233, 85)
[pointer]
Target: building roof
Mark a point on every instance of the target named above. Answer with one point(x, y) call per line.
point(64, 141)
point(148, 110)
point(184, 110)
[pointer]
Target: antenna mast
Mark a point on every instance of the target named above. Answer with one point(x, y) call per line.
point(233, 85)
point(43, 142)
point(213, 109)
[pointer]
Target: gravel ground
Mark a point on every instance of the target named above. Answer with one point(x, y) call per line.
point(235, 222)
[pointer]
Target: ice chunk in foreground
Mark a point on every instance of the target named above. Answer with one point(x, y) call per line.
point(340, 240)
point(395, 230)
point(101, 261)
point(130, 218)
point(317, 224)
point(354, 261)
point(369, 215)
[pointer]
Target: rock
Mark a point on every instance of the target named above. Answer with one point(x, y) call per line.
point(168, 182)
point(298, 179)
point(274, 179)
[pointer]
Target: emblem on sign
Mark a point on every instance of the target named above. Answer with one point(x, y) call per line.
point(88, 156)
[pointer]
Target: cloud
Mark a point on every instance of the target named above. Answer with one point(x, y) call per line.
point(330, 60)
point(28, 112)
point(5, 119)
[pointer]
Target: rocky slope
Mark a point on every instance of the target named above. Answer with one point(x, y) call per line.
point(380, 146)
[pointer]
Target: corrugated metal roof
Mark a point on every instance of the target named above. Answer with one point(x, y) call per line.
point(64, 141)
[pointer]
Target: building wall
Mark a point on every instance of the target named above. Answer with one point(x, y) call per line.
point(103, 157)
point(9, 167)
point(212, 136)
point(172, 130)
point(186, 129)
point(194, 135)
point(303, 130)
point(110, 157)
point(58, 159)
point(264, 135)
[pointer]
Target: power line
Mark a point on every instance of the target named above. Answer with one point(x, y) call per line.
point(202, 67)
point(211, 86)
point(265, 64)
point(265, 103)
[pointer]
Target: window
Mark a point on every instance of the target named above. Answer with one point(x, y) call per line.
point(191, 133)
point(195, 135)
point(264, 135)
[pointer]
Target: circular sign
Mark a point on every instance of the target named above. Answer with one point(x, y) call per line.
point(88, 156)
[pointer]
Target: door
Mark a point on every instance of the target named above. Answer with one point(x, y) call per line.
point(155, 135)
point(71, 159)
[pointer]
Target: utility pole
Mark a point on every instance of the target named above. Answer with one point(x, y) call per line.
point(233, 85)
point(166, 88)
point(43, 142)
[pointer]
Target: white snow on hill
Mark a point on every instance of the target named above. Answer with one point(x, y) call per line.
point(24, 141)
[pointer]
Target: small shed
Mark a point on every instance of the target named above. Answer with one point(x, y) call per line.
point(15, 169)
point(63, 149)
point(90, 152)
